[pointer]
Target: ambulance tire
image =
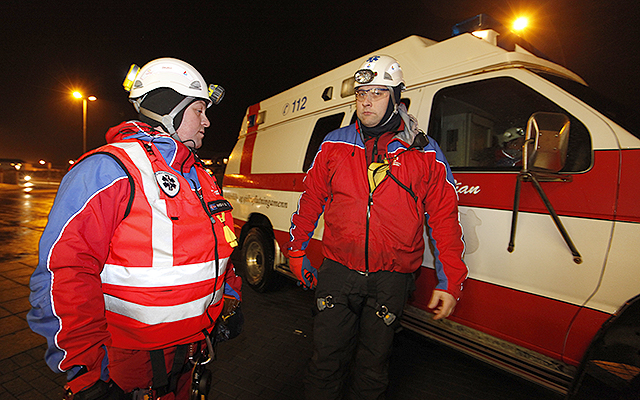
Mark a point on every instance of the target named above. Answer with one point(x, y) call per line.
point(257, 261)
point(609, 369)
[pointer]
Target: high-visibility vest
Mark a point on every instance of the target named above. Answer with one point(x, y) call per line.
point(164, 275)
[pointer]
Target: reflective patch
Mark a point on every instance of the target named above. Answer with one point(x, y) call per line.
point(168, 183)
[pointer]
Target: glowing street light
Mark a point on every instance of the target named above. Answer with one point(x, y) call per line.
point(79, 95)
point(520, 24)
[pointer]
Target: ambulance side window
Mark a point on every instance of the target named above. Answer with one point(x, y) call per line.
point(478, 124)
point(323, 126)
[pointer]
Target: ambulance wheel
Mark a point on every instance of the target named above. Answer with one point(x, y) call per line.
point(257, 257)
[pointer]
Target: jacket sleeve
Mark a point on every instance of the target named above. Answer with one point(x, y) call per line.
point(311, 203)
point(232, 282)
point(445, 231)
point(66, 295)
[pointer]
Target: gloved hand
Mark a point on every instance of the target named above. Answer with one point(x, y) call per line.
point(100, 390)
point(302, 269)
point(228, 327)
point(229, 306)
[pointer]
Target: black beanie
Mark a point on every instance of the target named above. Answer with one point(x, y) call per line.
point(161, 101)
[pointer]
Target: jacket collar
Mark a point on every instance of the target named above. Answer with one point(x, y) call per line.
point(175, 154)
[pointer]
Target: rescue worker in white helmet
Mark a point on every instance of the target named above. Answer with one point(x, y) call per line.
point(134, 266)
point(375, 181)
point(509, 153)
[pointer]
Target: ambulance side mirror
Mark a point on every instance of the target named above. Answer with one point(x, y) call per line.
point(545, 149)
point(544, 155)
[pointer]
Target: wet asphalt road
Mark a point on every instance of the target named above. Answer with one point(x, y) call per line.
point(23, 217)
point(268, 359)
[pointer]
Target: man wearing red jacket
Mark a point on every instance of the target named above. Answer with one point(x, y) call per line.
point(134, 264)
point(375, 181)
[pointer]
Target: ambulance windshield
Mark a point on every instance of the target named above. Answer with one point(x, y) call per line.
point(623, 115)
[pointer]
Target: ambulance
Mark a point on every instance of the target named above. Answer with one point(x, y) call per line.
point(552, 240)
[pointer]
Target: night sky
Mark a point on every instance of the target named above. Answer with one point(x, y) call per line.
point(255, 50)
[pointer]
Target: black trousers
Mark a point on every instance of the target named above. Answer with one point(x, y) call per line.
point(352, 342)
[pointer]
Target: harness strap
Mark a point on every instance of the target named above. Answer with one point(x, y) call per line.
point(381, 310)
point(372, 295)
point(178, 366)
point(164, 383)
point(160, 379)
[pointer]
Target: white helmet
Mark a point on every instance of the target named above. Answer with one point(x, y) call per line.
point(170, 73)
point(379, 70)
point(173, 74)
point(509, 135)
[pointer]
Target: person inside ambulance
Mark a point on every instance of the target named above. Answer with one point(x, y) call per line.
point(375, 181)
point(134, 264)
point(509, 154)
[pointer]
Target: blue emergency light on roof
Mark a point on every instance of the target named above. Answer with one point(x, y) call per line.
point(477, 23)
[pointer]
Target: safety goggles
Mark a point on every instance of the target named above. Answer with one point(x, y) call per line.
point(374, 94)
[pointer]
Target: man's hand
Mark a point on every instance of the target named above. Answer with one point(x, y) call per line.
point(442, 304)
point(302, 269)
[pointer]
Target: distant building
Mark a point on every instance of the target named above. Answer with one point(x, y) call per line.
point(11, 163)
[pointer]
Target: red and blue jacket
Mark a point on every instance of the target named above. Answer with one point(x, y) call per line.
point(135, 254)
point(381, 228)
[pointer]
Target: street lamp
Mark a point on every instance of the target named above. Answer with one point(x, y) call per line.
point(520, 24)
point(79, 95)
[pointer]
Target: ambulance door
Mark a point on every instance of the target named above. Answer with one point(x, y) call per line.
point(529, 296)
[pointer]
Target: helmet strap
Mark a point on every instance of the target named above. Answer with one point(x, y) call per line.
point(167, 119)
point(392, 98)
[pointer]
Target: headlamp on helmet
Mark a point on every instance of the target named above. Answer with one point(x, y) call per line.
point(131, 77)
point(510, 134)
point(363, 76)
point(380, 70)
point(216, 93)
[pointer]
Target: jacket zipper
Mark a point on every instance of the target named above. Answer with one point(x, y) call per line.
point(213, 229)
point(366, 237)
point(215, 249)
point(370, 203)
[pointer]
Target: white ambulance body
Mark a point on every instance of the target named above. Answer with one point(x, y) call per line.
point(534, 310)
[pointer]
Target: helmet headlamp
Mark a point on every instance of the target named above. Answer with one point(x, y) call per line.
point(363, 76)
point(131, 77)
point(216, 93)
